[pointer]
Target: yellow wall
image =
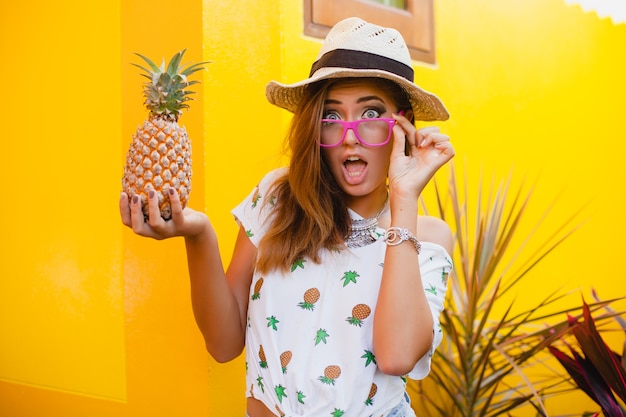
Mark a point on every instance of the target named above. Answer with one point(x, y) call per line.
point(61, 300)
point(93, 321)
point(96, 321)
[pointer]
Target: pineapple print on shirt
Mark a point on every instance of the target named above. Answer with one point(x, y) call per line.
point(320, 337)
point(349, 277)
point(298, 264)
point(371, 395)
point(285, 358)
point(308, 343)
point(262, 358)
point(280, 392)
point(311, 296)
point(331, 373)
point(359, 313)
point(257, 289)
point(273, 323)
point(256, 197)
point(369, 358)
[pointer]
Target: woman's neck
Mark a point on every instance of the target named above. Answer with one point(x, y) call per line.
point(370, 205)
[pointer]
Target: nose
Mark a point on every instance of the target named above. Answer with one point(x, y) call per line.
point(350, 136)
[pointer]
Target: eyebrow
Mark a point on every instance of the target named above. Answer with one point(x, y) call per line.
point(359, 100)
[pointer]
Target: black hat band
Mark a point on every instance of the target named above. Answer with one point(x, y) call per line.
point(348, 58)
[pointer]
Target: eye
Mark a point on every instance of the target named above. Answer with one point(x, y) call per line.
point(371, 114)
point(331, 116)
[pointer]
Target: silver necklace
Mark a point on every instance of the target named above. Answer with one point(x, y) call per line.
point(363, 231)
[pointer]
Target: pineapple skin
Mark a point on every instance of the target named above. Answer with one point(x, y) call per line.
point(159, 158)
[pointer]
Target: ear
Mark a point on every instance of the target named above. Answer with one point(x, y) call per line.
point(408, 113)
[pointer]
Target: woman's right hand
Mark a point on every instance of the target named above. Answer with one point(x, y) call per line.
point(184, 222)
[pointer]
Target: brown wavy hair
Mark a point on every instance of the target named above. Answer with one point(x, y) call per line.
point(310, 212)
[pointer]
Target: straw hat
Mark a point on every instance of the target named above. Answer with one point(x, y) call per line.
point(356, 48)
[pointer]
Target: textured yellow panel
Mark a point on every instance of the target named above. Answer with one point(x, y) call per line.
point(243, 137)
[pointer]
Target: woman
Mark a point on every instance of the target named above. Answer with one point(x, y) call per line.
point(335, 284)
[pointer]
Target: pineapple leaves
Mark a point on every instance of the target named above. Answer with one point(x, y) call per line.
point(166, 92)
point(172, 67)
point(193, 68)
point(152, 65)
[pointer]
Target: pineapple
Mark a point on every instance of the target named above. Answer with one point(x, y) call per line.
point(159, 157)
point(311, 296)
point(262, 358)
point(370, 397)
point(359, 313)
point(256, 294)
point(256, 197)
point(285, 358)
point(331, 373)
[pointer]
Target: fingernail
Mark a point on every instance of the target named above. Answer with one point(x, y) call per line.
point(171, 190)
point(151, 194)
point(135, 199)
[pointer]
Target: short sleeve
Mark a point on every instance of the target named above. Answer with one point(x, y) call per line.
point(255, 211)
point(435, 268)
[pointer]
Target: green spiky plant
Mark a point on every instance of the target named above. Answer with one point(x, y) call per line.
point(482, 366)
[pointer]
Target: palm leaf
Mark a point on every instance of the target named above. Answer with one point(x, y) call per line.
point(480, 368)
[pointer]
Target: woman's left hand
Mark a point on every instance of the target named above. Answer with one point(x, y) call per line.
point(429, 150)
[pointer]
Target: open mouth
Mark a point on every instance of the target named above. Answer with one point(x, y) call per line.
point(354, 166)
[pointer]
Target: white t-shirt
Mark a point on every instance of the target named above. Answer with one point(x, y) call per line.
point(309, 337)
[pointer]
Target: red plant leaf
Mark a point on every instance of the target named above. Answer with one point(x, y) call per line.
point(595, 350)
point(589, 380)
point(602, 391)
point(574, 369)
